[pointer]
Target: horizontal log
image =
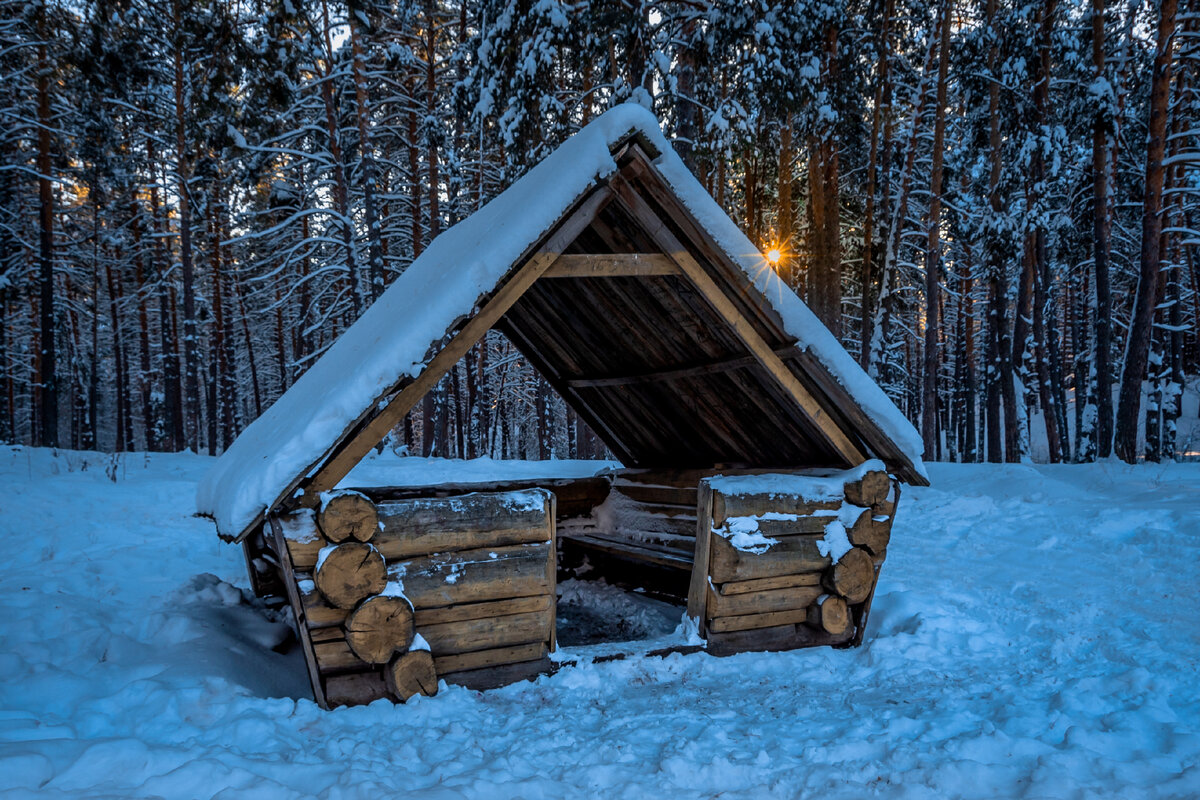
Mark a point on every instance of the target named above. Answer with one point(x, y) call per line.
point(852, 576)
point(773, 639)
point(468, 513)
point(873, 533)
point(397, 544)
point(575, 496)
point(465, 636)
point(411, 673)
point(335, 655)
point(355, 689)
point(317, 612)
point(830, 614)
point(611, 265)
point(767, 584)
point(757, 505)
point(491, 658)
point(868, 490)
point(346, 514)
point(750, 621)
point(473, 576)
point(349, 573)
point(789, 556)
point(762, 602)
point(495, 677)
point(495, 608)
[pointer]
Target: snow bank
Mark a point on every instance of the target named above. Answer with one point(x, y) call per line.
point(393, 337)
point(136, 665)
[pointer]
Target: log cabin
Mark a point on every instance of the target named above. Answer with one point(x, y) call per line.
point(761, 466)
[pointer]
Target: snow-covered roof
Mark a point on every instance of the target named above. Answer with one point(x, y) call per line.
point(393, 338)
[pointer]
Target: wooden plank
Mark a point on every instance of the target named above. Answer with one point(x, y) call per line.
point(494, 608)
point(749, 621)
point(791, 555)
point(288, 578)
point(465, 636)
point(833, 435)
point(358, 438)
point(630, 551)
point(397, 544)
point(768, 584)
point(764, 602)
point(611, 265)
point(495, 677)
point(491, 658)
point(697, 604)
point(474, 576)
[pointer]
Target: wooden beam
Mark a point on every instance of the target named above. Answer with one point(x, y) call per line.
point(706, 368)
point(771, 363)
point(611, 265)
point(359, 442)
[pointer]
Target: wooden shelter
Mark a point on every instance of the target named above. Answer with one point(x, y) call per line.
point(762, 466)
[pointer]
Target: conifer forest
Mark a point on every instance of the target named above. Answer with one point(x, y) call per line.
point(993, 204)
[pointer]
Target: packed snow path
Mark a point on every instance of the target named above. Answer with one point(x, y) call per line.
point(1034, 635)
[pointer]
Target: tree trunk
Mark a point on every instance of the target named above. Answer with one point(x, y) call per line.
point(191, 366)
point(933, 256)
point(46, 432)
point(1138, 345)
point(370, 215)
point(1101, 228)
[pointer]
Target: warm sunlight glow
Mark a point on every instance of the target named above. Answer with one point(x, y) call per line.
point(773, 255)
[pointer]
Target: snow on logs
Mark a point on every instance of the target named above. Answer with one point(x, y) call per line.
point(791, 559)
point(393, 596)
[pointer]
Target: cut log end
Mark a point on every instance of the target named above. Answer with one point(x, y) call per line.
point(411, 673)
point(348, 517)
point(871, 532)
point(830, 614)
point(868, 490)
point(350, 573)
point(380, 627)
point(852, 576)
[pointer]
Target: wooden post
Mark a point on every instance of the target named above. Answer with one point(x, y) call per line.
point(697, 607)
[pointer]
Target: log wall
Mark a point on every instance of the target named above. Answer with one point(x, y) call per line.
point(789, 561)
point(391, 597)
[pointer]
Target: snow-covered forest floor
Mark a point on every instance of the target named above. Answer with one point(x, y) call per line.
point(1034, 635)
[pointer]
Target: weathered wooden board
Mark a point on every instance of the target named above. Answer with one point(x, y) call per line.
point(443, 524)
point(776, 638)
point(465, 636)
point(749, 621)
point(473, 576)
point(755, 505)
point(767, 584)
point(490, 658)
point(761, 602)
point(495, 608)
point(791, 555)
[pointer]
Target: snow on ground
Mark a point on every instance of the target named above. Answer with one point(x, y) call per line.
point(1033, 636)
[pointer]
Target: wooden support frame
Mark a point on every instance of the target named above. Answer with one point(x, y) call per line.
point(697, 606)
point(353, 449)
point(611, 265)
point(657, 230)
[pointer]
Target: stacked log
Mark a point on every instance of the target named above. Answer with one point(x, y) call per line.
point(789, 560)
point(393, 597)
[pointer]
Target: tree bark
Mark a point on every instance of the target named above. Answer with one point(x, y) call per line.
point(933, 257)
point(1138, 346)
